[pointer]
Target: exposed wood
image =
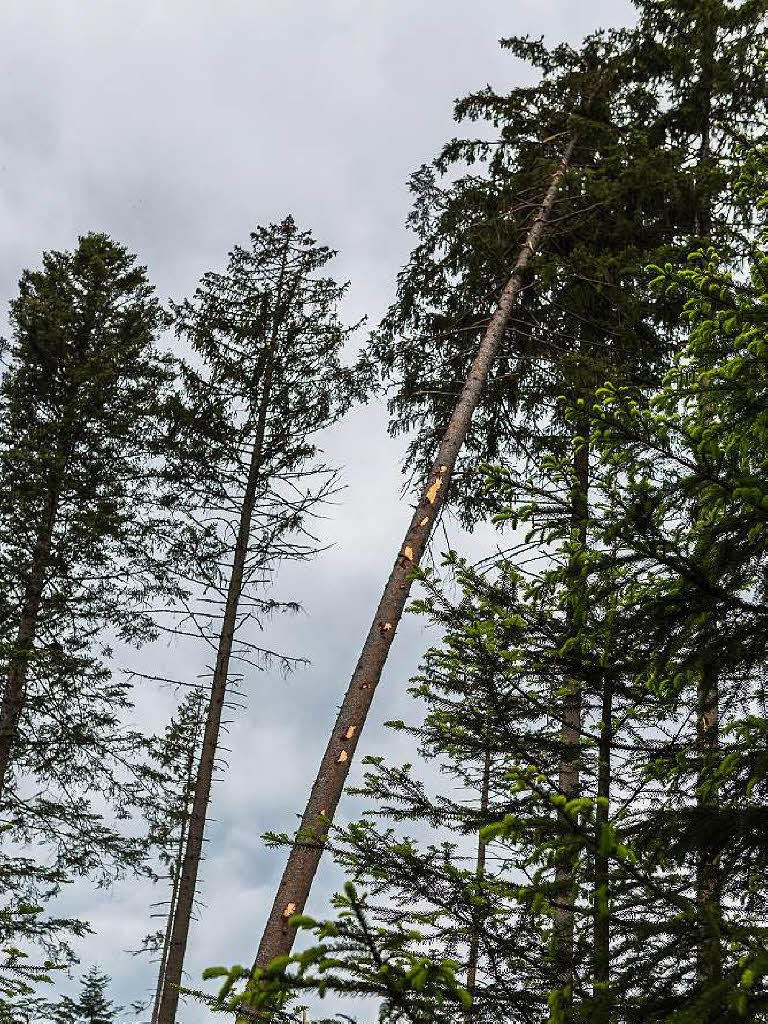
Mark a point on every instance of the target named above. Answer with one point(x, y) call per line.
point(305, 855)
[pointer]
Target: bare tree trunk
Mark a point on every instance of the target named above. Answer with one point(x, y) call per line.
point(14, 695)
point(474, 945)
point(305, 854)
point(602, 920)
point(177, 870)
point(188, 881)
point(569, 778)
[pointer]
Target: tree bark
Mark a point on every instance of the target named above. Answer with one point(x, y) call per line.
point(708, 883)
point(14, 694)
point(474, 945)
point(569, 776)
point(602, 919)
point(177, 870)
point(305, 854)
point(188, 882)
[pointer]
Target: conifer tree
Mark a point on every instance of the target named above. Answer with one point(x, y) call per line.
point(304, 857)
point(650, 171)
point(678, 215)
point(92, 1005)
point(85, 544)
point(662, 477)
point(268, 335)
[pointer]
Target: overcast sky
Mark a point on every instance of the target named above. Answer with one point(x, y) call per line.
point(177, 126)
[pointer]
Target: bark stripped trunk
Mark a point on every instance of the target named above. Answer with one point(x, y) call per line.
point(305, 856)
point(474, 945)
point(177, 869)
point(569, 776)
point(192, 855)
point(602, 920)
point(14, 694)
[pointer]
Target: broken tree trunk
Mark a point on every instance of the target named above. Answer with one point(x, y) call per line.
point(305, 854)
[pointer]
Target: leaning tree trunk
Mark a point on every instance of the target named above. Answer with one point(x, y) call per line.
point(188, 881)
point(305, 854)
point(14, 694)
point(177, 871)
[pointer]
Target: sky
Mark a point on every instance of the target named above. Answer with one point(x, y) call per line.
point(177, 126)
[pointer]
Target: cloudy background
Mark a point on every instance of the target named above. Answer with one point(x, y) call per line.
point(176, 126)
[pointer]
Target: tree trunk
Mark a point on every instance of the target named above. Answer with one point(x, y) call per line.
point(602, 920)
point(177, 870)
point(14, 695)
point(569, 778)
point(305, 855)
point(708, 886)
point(474, 945)
point(187, 884)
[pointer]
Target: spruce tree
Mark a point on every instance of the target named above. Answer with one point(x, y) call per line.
point(650, 171)
point(680, 215)
point(268, 340)
point(326, 791)
point(662, 478)
point(92, 1005)
point(85, 544)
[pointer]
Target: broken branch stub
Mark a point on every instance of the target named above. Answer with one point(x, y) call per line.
point(303, 859)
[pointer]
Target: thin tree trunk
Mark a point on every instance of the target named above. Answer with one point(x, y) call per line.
point(602, 920)
point(474, 945)
point(305, 855)
point(14, 695)
point(569, 776)
point(186, 891)
point(177, 870)
point(708, 885)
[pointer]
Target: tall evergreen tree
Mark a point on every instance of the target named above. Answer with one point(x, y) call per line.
point(585, 297)
point(667, 153)
point(268, 335)
point(663, 478)
point(651, 171)
point(85, 542)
